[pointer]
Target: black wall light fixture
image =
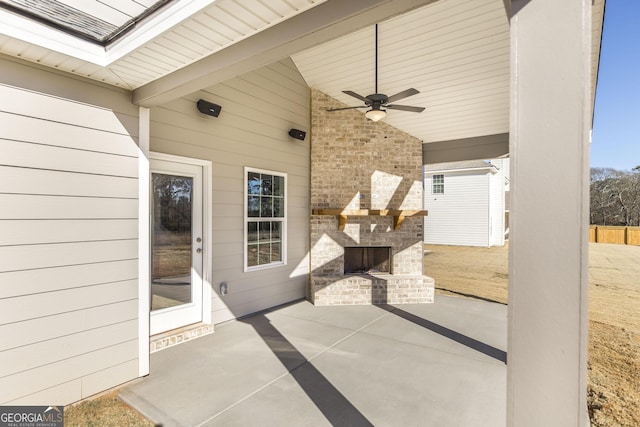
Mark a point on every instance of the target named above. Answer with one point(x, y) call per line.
point(297, 134)
point(209, 108)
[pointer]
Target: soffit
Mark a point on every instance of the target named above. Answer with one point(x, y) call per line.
point(597, 22)
point(194, 30)
point(224, 23)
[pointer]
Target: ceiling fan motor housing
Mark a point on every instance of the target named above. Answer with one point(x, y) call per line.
point(377, 100)
point(378, 97)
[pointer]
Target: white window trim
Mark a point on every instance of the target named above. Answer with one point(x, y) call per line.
point(248, 169)
point(433, 183)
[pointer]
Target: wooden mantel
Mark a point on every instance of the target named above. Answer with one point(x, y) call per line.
point(342, 214)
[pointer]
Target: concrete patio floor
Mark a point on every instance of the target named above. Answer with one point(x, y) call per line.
point(439, 364)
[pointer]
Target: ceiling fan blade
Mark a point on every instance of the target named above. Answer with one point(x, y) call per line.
point(403, 94)
point(406, 108)
point(355, 95)
point(347, 108)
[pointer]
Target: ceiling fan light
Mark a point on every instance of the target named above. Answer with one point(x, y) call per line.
point(375, 115)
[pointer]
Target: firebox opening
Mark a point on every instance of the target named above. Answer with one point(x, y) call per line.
point(364, 260)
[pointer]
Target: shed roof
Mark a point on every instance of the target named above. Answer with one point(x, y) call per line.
point(458, 166)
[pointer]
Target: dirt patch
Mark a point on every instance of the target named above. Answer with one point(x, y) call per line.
point(104, 411)
point(614, 376)
point(614, 316)
point(614, 335)
point(469, 271)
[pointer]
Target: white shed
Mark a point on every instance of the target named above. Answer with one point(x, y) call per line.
point(466, 202)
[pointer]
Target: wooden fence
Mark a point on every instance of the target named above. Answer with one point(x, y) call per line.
point(612, 234)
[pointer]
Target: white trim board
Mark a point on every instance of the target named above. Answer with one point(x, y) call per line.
point(144, 249)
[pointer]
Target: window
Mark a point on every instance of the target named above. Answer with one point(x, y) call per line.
point(437, 184)
point(265, 223)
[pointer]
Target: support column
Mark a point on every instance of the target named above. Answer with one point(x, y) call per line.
point(548, 258)
point(144, 242)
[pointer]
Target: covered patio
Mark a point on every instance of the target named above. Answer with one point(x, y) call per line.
point(496, 77)
point(436, 364)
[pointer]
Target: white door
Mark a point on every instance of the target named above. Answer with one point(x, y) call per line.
point(176, 244)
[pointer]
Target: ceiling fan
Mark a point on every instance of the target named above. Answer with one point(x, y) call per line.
point(377, 101)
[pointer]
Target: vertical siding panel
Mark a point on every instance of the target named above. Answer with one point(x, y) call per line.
point(472, 210)
point(258, 109)
point(460, 215)
point(68, 159)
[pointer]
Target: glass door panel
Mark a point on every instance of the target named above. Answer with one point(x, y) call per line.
point(171, 241)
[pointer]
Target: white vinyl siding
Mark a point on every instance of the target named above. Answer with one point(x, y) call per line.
point(68, 237)
point(460, 216)
point(258, 109)
point(471, 212)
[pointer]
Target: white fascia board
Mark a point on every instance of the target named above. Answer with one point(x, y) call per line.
point(33, 32)
point(154, 27)
point(491, 169)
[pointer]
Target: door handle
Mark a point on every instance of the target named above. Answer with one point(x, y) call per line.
point(198, 250)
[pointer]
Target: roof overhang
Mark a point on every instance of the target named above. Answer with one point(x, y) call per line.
point(478, 147)
point(325, 22)
point(456, 53)
point(34, 32)
point(492, 169)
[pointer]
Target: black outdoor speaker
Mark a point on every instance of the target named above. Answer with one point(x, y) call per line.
point(297, 134)
point(209, 108)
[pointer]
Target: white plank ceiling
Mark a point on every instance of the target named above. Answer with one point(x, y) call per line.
point(455, 52)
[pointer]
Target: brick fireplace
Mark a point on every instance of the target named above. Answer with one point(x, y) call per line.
point(367, 217)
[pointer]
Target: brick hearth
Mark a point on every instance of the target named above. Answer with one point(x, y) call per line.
point(359, 165)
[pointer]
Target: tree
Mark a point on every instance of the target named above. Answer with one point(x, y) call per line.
point(634, 184)
point(602, 196)
point(172, 197)
point(615, 196)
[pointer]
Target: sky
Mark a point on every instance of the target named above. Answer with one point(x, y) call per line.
point(615, 140)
